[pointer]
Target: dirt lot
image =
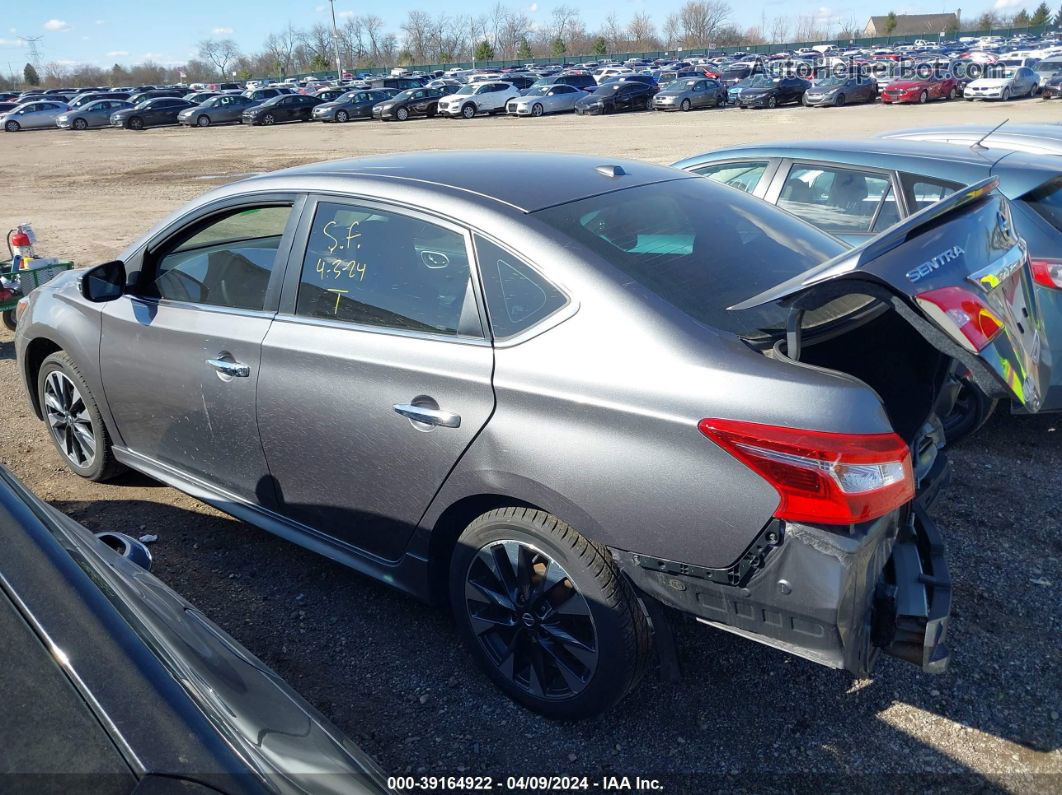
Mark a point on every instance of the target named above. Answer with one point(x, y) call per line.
point(389, 670)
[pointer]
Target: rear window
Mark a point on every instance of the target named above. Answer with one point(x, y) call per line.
point(702, 247)
point(1047, 201)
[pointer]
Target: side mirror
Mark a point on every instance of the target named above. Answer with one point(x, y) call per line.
point(128, 547)
point(105, 282)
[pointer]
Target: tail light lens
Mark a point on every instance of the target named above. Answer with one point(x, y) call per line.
point(963, 315)
point(822, 478)
point(1047, 272)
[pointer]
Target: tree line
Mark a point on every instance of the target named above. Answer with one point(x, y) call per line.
point(502, 33)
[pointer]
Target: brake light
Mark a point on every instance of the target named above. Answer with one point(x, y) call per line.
point(1047, 273)
point(823, 478)
point(963, 315)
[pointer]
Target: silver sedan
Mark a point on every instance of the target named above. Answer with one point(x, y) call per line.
point(539, 100)
point(566, 390)
point(92, 114)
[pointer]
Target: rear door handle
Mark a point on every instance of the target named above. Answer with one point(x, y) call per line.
point(233, 369)
point(446, 419)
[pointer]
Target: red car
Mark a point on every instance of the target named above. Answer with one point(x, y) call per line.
point(921, 90)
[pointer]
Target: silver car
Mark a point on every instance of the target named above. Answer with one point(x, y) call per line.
point(554, 391)
point(32, 116)
point(540, 100)
point(688, 93)
point(91, 114)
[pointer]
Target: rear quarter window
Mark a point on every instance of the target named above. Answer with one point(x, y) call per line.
point(1047, 202)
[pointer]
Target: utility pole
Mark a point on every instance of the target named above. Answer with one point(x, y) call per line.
point(335, 40)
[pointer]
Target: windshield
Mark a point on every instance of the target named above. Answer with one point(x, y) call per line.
point(832, 82)
point(758, 81)
point(404, 95)
point(542, 82)
point(702, 247)
point(465, 90)
point(538, 91)
point(607, 88)
point(143, 105)
point(1048, 67)
point(348, 97)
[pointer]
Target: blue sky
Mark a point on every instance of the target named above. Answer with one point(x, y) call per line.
point(129, 31)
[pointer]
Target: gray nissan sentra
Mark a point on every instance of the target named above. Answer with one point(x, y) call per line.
point(555, 391)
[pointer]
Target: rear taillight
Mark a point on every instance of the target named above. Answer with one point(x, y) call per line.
point(963, 315)
point(1047, 272)
point(822, 478)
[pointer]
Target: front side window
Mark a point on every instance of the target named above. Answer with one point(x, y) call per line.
point(838, 200)
point(743, 176)
point(517, 296)
point(225, 262)
point(381, 268)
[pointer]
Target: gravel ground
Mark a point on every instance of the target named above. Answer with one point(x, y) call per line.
point(389, 670)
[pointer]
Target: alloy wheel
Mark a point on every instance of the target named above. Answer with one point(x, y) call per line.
point(342, 116)
point(401, 114)
point(530, 619)
point(203, 121)
point(12, 126)
point(68, 419)
point(923, 98)
point(268, 119)
point(80, 124)
point(686, 105)
point(136, 123)
point(536, 109)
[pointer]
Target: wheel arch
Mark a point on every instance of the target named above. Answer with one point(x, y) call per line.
point(37, 351)
point(442, 540)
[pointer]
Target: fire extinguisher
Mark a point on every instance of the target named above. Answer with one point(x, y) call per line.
point(20, 242)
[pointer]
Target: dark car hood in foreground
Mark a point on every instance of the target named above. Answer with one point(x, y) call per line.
point(283, 743)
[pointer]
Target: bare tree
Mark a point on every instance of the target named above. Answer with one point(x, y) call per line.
point(700, 19)
point(672, 31)
point(779, 30)
point(220, 52)
point(279, 47)
point(642, 32)
point(613, 33)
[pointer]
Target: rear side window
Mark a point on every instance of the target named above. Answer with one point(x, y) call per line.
point(923, 191)
point(838, 200)
point(225, 262)
point(381, 268)
point(1047, 201)
point(517, 296)
point(743, 176)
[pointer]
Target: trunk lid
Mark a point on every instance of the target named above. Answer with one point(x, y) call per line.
point(960, 275)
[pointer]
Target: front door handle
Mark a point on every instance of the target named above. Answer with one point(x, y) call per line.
point(446, 419)
point(229, 368)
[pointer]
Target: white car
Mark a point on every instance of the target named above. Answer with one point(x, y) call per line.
point(467, 101)
point(1014, 82)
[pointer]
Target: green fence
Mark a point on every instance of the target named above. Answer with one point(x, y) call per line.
point(680, 53)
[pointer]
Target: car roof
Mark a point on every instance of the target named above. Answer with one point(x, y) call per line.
point(1018, 172)
point(526, 181)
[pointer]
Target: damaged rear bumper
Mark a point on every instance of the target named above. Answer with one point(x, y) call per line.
point(834, 598)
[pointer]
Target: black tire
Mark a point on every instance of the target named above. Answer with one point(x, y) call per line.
point(79, 124)
point(269, 119)
point(953, 94)
point(608, 620)
point(203, 121)
point(923, 98)
point(468, 111)
point(840, 100)
point(342, 116)
point(686, 105)
point(102, 465)
point(134, 123)
point(772, 102)
point(536, 109)
point(972, 410)
point(1005, 96)
point(804, 101)
point(402, 114)
point(9, 319)
point(12, 126)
